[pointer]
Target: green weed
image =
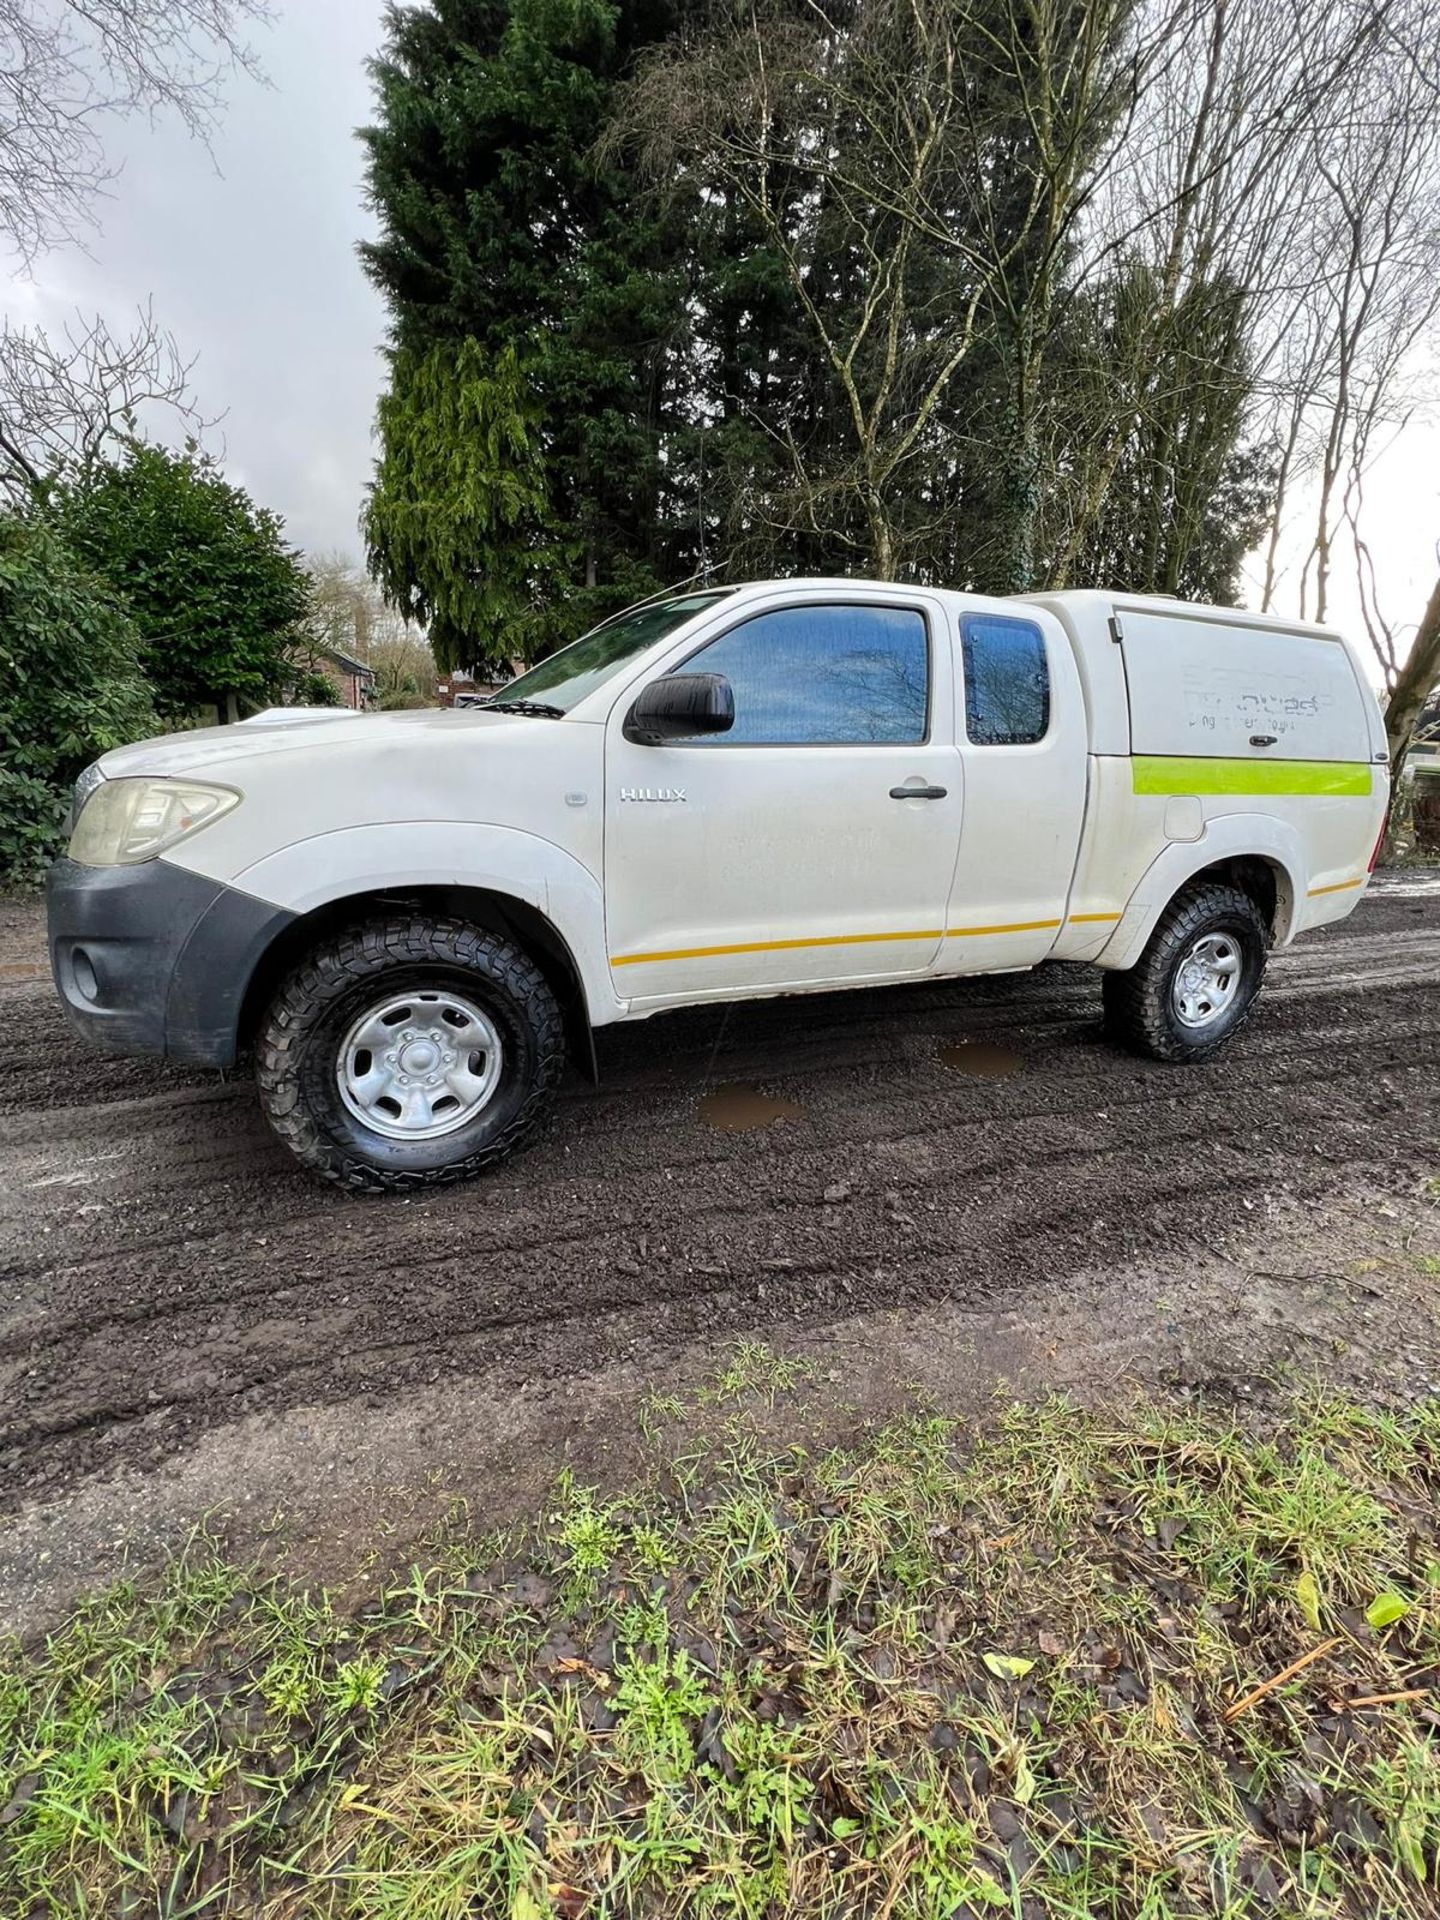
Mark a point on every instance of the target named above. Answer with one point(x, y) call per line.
point(1024, 1670)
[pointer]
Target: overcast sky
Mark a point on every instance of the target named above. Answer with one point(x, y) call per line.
point(250, 259)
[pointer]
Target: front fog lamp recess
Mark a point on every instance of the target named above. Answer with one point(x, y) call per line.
point(83, 969)
point(125, 822)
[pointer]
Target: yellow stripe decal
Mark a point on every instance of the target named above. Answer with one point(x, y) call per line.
point(1338, 886)
point(1090, 919)
point(1155, 774)
point(1020, 926)
point(841, 940)
point(773, 946)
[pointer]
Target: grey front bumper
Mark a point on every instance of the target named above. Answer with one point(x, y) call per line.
point(154, 959)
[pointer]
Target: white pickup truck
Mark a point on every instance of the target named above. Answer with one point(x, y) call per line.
point(786, 787)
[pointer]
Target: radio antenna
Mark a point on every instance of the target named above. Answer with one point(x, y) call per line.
point(700, 512)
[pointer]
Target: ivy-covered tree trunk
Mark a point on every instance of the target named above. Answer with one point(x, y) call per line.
point(457, 525)
point(501, 235)
point(1181, 497)
point(1417, 680)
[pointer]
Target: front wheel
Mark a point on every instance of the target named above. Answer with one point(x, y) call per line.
point(409, 1052)
point(1197, 979)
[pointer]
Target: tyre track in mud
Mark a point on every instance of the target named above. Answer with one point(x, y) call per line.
point(164, 1268)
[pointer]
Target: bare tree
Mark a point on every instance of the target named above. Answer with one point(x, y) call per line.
point(1267, 162)
point(69, 66)
point(1345, 338)
point(67, 404)
point(843, 145)
point(1356, 292)
point(1378, 288)
point(349, 614)
point(920, 172)
point(1208, 186)
point(1415, 681)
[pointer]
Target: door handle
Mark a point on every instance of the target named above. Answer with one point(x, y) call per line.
point(918, 793)
point(1262, 739)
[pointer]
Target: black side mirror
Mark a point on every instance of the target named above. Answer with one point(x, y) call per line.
point(680, 706)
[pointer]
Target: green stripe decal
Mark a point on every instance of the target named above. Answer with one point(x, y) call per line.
point(1155, 774)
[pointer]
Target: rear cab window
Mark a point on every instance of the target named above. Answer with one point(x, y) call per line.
point(1007, 680)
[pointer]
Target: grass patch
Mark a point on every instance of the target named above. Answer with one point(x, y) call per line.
point(950, 1673)
point(754, 1369)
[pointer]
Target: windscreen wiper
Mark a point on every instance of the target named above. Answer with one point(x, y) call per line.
point(540, 707)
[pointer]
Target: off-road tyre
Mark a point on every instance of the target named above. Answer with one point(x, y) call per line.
point(299, 1043)
point(1139, 1002)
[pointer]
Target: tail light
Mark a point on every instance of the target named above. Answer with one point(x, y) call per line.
point(1379, 842)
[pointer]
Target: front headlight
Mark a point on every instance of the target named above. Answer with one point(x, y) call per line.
point(84, 787)
point(125, 822)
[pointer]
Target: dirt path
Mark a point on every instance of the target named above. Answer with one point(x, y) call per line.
point(173, 1290)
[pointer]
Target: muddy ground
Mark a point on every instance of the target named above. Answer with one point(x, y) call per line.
point(959, 1186)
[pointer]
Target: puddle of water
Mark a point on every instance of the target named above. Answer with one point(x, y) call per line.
point(740, 1109)
point(980, 1058)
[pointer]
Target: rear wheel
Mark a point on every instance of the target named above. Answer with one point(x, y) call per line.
point(409, 1052)
point(1197, 979)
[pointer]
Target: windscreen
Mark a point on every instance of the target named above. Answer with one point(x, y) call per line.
point(567, 676)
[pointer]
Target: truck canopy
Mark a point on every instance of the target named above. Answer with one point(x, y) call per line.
point(1166, 680)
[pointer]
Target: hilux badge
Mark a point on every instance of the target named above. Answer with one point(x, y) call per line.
point(652, 793)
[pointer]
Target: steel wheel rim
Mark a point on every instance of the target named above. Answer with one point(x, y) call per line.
point(1207, 979)
point(417, 1066)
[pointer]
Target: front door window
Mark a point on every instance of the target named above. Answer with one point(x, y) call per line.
point(821, 676)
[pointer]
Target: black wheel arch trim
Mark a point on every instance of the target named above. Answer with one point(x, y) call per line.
point(488, 908)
